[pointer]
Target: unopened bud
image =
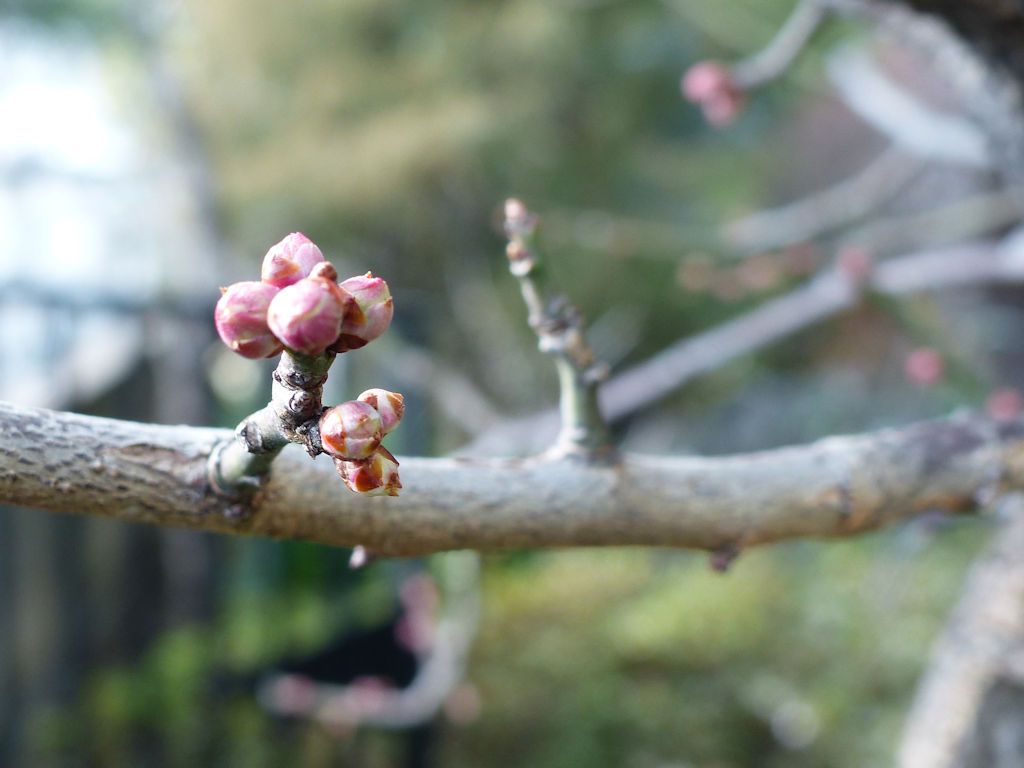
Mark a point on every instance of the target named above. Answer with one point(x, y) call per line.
point(241, 319)
point(375, 476)
point(1004, 404)
point(924, 367)
point(390, 406)
point(290, 260)
point(855, 264)
point(515, 210)
point(325, 270)
point(351, 430)
point(516, 251)
point(519, 221)
point(704, 80)
point(367, 315)
point(711, 85)
point(306, 317)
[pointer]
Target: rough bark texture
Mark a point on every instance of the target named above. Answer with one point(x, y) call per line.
point(839, 486)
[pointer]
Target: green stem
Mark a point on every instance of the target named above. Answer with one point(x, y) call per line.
point(238, 466)
point(558, 326)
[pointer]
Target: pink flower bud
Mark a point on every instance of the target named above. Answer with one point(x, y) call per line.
point(368, 315)
point(390, 406)
point(306, 317)
point(704, 80)
point(290, 260)
point(241, 319)
point(855, 264)
point(351, 430)
point(711, 85)
point(1004, 404)
point(924, 367)
point(722, 111)
point(519, 220)
point(375, 476)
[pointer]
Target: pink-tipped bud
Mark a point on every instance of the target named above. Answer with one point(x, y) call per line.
point(924, 367)
point(306, 317)
point(710, 85)
point(290, 260)
point(375, 476)
point(390, 406)
point(705, 80)
point(515, 210)
point(351, 430)
point(519, 220)
point(855, 264)
point(1004, 404)
point(241, 319)
point(369, 313)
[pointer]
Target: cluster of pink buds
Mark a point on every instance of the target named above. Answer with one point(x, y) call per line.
point(711, 85)
point(300, 306)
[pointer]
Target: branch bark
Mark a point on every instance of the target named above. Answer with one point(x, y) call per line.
point(840, 486)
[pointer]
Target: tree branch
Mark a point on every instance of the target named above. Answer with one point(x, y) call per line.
point(909, 123)
point(559, 328)
point(70, 463)
point(775, 58)
point(948, 721)
point(825, 296)
point(828, 209)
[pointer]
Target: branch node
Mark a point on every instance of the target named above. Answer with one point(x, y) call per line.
point(721, 559)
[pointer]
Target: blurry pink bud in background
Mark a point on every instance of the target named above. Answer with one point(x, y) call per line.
point(710, 85)
point(369, 313)
point(306, 316)
point(290, 260)
point(855, 263)
point(1004, 404)
point(390, 406)
point(375, 476)
point(241, 319)
point(924, 367)
point(351, 430)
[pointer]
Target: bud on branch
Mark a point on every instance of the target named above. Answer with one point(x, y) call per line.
point(300, 309)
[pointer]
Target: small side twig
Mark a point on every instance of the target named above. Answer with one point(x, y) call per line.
point(559, 329)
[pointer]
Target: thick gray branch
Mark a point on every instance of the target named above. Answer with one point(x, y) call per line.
point(840, 486)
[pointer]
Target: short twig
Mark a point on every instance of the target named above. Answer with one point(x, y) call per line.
point(559, 329)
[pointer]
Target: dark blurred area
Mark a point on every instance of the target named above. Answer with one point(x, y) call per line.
point(151, 152)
